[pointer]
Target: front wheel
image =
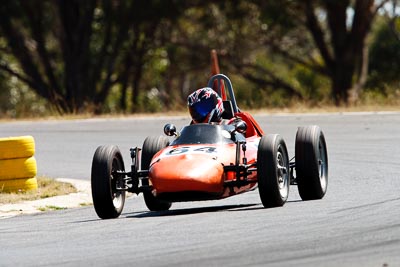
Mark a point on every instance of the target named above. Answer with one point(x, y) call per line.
point(311, 163)
point(273, 171)
point(151, 146)
point(105, 180)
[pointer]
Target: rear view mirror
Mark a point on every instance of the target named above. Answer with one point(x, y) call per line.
point(241, 127)
point(170, 129)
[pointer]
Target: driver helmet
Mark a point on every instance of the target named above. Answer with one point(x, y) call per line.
point(205, 106)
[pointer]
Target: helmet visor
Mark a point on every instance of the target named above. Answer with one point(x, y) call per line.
point(200, 110)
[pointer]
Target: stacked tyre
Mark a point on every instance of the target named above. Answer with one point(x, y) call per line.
point(17, 164)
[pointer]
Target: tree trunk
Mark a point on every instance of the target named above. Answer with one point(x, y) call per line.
point(341, 82)
point(135, 87)
point(76, 20)
point(362, 75)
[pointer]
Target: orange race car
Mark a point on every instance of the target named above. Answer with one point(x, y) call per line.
point(211, 161)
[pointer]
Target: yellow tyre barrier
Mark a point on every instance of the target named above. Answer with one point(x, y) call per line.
point(17, 147)
point(17, 164)
point(16, 185)
point(17, 168)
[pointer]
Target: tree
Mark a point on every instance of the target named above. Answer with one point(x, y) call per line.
point(73, 52)
point(384, 61)
point(76, 53)
point(233, 29)
point(348, 55)
point(28, 46)
point(393, 21)
point(338, 29)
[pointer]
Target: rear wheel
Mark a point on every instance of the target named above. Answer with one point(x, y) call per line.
point(151, 146)
point(311, 163)
point(273, 171)
point(107, 199)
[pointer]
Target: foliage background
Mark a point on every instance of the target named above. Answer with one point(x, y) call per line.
point(115, 56)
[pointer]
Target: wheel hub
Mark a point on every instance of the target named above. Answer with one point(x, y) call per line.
point(282, 170)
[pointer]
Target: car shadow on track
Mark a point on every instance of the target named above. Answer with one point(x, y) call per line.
point(189, 211)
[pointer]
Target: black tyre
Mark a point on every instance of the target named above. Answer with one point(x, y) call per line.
point(151, 146)
point(273, 171)
point(311, 163)
point(108, 201)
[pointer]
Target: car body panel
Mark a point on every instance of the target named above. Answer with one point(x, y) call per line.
point(199, 168)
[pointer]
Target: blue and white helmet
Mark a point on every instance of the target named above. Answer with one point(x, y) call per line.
point(205, 106)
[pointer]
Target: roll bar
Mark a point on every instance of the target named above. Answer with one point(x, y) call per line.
point(222, 88)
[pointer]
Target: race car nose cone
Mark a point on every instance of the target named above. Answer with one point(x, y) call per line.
point(187, 172)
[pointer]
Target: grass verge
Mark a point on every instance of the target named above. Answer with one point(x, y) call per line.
point(51, 207)
point(47, 187)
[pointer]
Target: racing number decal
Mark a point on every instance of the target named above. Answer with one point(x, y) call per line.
point(179, 150)
point(182, 150)
point(207, 149)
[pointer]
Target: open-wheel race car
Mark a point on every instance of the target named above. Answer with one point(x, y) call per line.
point(211, 161)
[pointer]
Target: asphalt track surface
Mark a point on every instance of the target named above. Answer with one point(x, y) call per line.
point(357, 223)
